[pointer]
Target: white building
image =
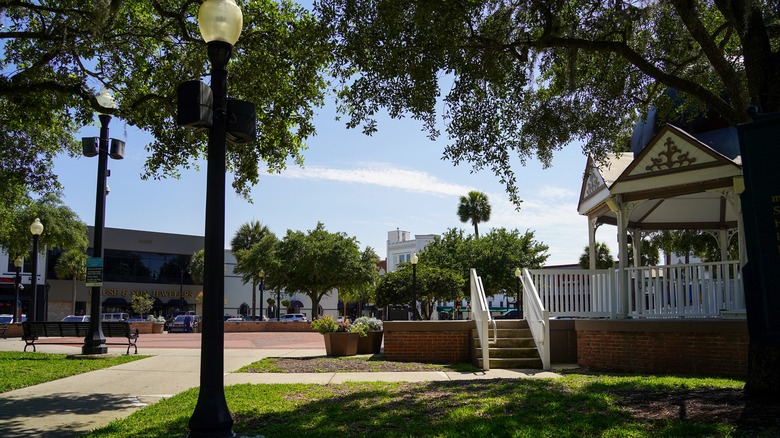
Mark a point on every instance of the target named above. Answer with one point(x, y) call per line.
point(400, 246)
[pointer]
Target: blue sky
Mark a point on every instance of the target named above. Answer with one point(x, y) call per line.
point(363, 186)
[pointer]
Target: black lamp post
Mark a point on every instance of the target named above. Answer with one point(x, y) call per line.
point(277, 305)
point(18, 263)
point(36, 229)
point(519, 300)
point(260, 274)
point(95, 341)
point(415, 259)
point(220, 23)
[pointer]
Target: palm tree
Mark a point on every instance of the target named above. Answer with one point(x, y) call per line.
point(72, 265)
point(247, 236)
point(475, 208)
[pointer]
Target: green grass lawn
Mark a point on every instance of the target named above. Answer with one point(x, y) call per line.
point(577, 405)
point(19, 369)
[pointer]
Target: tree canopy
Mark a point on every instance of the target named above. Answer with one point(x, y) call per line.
point(433, 284)
point(604, 259)
point(494, 255)
point(318, 262)
point(523, 79)
point(58, 54)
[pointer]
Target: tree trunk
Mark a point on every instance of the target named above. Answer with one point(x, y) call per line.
point(73, 300)
point(763, 365)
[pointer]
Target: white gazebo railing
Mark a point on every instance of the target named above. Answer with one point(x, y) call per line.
point(482, 318)
point(698, 290)
point(691, 290)
point(538, 318)
point(584, 293)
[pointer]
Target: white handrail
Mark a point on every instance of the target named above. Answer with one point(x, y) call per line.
point(538, 318)
point(481, 314)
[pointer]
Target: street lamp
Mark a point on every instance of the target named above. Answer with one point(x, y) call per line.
point(18, 263)
point(220, 23)
point(519, 300)
point(415, 259)
point(260, 274)
point(277, 304)
point(36, 229)
point(95, 342)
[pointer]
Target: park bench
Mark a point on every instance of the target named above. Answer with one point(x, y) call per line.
point(69, 329)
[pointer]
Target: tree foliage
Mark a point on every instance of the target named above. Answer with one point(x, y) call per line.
point(495, 256)
point(604, 259)
point(522, 79)
point(474, 208)
point(58, 54)
point(142, 303)
point(433, 284)
point(62, 228)
point(72, 264)
point(318, 262)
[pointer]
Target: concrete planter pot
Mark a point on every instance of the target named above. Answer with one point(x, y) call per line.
point(341, 343)
point(158, 327)
point(371, 343)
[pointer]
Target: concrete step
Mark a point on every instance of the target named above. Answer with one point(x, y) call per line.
point(519, 342)
point(505, 333)
point(513, 363)
point(508, 353)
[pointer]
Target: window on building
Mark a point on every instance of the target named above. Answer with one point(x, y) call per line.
point(138, 267)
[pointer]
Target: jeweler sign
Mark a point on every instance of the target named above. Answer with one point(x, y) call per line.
point(94, 272)
point(759, 144)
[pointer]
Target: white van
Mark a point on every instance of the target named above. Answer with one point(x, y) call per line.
point(114, 317)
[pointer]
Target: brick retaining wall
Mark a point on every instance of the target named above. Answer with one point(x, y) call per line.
point(702, 347)
point(441, 342)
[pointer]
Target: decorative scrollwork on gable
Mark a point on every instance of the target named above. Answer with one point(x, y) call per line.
point(670, 158)
point(593, 183)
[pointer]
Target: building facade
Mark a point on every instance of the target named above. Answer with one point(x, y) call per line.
point(401, 246)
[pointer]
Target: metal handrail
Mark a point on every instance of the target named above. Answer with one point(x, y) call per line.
point(481, 314)
point(538, 318)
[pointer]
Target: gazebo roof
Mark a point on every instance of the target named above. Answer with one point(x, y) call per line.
point(675, 182)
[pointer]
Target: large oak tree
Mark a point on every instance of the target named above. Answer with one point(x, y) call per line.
point(523, 79)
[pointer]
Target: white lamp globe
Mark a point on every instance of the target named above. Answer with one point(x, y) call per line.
point(220, 20)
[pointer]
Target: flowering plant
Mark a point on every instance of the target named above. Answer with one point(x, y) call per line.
point(373, 324)
point(325, 324)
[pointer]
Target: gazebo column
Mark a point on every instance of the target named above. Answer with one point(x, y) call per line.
point(732, 196)
point(636, 238)
point(592, 226)
point(619, 208)
point(723, 244)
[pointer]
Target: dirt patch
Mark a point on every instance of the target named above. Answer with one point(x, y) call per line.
point(346, 365)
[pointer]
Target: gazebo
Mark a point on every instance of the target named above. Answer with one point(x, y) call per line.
point(676, 181)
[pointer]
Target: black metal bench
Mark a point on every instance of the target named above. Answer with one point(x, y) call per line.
point(67, 329)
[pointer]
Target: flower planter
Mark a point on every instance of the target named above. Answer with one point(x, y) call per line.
point(158, 327)
point(341, 343)
point(370, 344)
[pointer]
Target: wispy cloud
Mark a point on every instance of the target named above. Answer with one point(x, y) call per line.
point(381, 175)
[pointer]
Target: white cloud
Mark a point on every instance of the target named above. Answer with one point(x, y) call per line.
point(384, 175)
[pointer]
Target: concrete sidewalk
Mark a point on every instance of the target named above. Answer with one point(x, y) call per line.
point(75, 405)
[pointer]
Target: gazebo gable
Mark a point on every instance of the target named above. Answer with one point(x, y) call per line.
point(674, 158)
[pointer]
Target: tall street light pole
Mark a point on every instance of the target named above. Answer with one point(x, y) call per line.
point(519, 300)
point(95, 341)
point(36, 229)
point(261, 274)
point(220, 23)
point(415, 259)
point(18, 263)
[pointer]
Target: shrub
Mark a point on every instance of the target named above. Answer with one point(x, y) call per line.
point(374, 325)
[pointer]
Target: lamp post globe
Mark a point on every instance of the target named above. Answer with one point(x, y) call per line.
point(36, 229)
point(220, 23)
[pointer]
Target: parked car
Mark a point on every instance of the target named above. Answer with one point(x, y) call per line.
point(8, 318)
point(509, 314)
point(178, 324)
point(235, 319)
point(76, 318)
point(294, 317)
point(114, 316)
